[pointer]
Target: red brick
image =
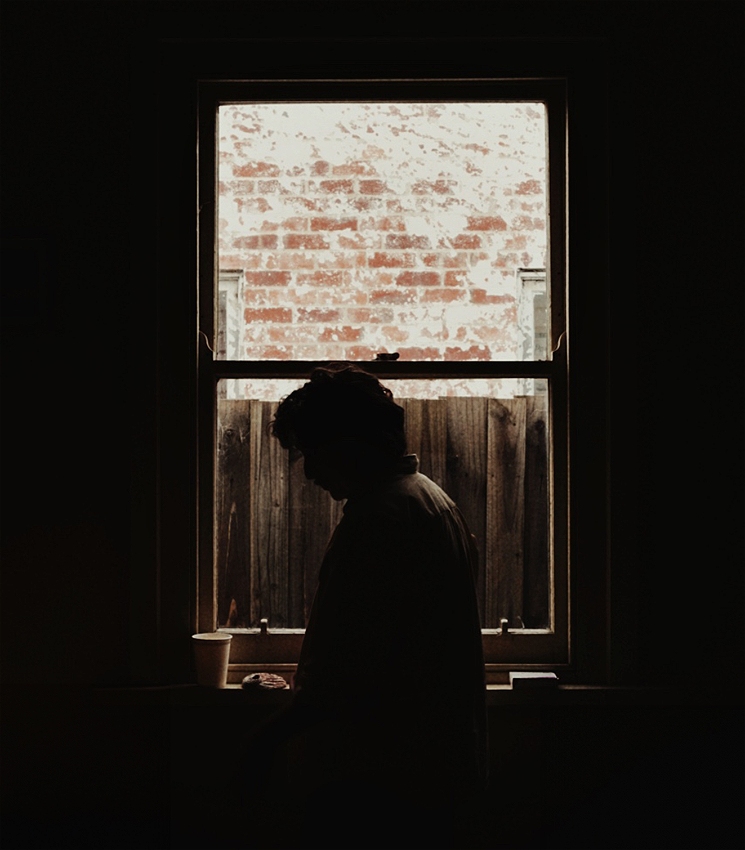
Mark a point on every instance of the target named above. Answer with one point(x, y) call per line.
point(465, 240)
point(252, 205)
point(252, 243)
point(488, 333)
point(269, 314)
point(353, 169)
point(377, 278)
point(332, 278)
point(290, 260)
point(430, 260)
point(395, 240)
point(328, 223)
point(456, 278)
point(318, 316)
point(516, 243)
point(290, 333)
point(393, 296)
point(243, 187)
point(268, 187)
point(268, 352)
point(480, 296)
point(529, 187)
point(343, 260)
point(267, 278)
point(337, 296)
point(305, 241)
point(525, 222)
point(395, 334)
point(486, 222)
point(357, 241)
point(343, 186)
point(262, 297)
point(417, 353)
point(343, 334)
point(295, 223)
point(385, 260)
point(384, 223)
point(455, 261)
point(328, 351)
point(360, 352)
point(312, 204)
point(510, 315)
point(418, 279)
point(257, 169)
point(442, 295)
point(373, 187)
point(319, 168)
point(475, 352)
point(364, 315)
point(438, 187)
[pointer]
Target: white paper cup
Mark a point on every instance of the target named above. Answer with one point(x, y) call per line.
point(211, 654)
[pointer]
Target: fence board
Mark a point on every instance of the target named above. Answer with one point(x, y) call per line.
point(414, 425)
point(465, 481)
point(269, 562)
point(505, 500)
point(430, 422)
point(232, 514)
point(536, 566)
point(313, 515)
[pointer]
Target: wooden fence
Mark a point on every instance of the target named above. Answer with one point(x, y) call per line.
point(272, 524)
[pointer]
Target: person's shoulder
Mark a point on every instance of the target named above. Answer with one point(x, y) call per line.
point(423, 489)
point(411, 495)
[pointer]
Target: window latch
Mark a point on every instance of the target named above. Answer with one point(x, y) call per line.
point(504, 624)
point(264, 627)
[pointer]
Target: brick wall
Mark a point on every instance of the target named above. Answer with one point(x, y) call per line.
point(361, 228)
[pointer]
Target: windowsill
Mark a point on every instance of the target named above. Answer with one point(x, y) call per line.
point(497, 696)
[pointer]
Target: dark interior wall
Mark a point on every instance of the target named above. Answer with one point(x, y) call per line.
point(80, 393)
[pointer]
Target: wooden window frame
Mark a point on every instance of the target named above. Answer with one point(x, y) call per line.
point(513, 649)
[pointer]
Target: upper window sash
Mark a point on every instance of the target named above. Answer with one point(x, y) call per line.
point(213, 94)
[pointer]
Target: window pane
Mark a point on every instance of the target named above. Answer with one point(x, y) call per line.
point(348, 229)
point(485, 442)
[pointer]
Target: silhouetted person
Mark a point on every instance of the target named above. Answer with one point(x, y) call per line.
point(388, 714)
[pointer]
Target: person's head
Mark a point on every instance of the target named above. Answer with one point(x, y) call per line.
point(347, 426)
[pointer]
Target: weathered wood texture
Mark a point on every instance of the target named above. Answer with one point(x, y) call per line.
point(273, 525)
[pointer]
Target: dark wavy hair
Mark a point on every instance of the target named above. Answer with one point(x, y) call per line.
point(341, 401)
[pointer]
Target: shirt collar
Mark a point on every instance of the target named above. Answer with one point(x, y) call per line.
point(408, 465)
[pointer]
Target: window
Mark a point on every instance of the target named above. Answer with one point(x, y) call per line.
point(424, 221)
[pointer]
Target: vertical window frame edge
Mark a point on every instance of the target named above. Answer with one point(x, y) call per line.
point(206, 212)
